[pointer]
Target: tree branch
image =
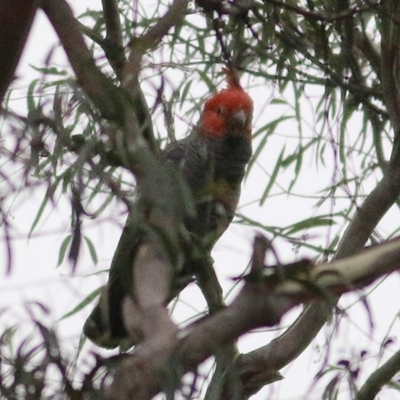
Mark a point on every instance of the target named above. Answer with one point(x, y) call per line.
point(262, 302)
point(113, 24)
point(139, 46)
point(15, 23)
point(365, 45)
point(284, 349)
point(114, 49)
point(151, 38)
point(95, 84)
point(287, 347)
point(160, 216)
point(379, 378)
point(390, 71)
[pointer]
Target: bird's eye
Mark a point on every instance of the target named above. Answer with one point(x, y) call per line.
point(220, 110)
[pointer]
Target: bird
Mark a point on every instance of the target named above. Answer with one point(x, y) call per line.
point(212, 159)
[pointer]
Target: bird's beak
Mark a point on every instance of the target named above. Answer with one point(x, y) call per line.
point(239, 118)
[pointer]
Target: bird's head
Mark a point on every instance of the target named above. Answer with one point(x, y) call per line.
point(228, 112)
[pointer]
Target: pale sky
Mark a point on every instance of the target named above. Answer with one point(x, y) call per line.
point(35, 277)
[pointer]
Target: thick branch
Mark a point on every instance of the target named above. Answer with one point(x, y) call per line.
point(262, 302)
point(259, 366)
point(114, 48)
point(287, 347)
point(259, 304)
point(15, 23)
point(365, 45)
point(379, 378)
point(113, 24)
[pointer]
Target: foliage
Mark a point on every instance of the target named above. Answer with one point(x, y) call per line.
point(324, 79)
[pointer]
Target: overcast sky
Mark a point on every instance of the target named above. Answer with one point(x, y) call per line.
point(35, 277)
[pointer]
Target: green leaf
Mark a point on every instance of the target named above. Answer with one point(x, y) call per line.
point(269, 129)
point(63, 250)
point(87, 300)
point(277, 101)
point(273, 177)
point(30, 100)
point(276, 231)
point(39, 213)
point(207, 81)
point(309, 223)
point(105, 203)
point(49, 71)
point(185, 92)
point(49, 194)
point(92, 250)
